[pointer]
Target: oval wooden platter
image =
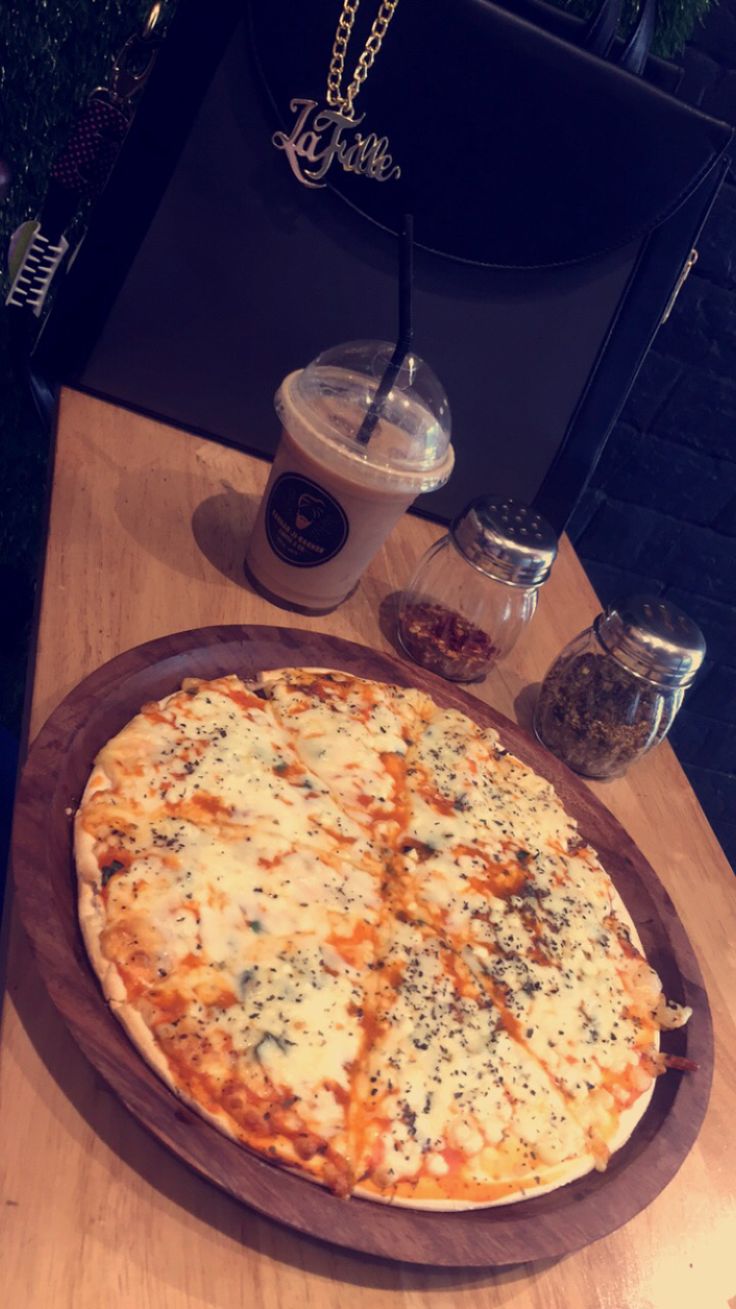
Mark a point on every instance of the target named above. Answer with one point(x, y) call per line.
point(549, 1226)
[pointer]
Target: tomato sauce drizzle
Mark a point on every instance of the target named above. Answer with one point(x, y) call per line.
point(499, 878)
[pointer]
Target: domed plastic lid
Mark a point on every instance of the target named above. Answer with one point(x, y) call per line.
point(395, 422)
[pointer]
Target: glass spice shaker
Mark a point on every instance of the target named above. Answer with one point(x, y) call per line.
point(476, 588)
point(614, 691)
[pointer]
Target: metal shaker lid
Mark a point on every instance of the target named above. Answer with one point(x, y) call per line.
point(506, 539)
point(654, 639)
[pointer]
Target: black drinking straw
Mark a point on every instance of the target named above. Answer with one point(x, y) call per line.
point(406, 331)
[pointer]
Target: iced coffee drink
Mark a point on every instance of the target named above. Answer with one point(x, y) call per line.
point(332, 498)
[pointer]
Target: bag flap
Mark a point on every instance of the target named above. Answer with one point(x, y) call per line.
point(516, 149)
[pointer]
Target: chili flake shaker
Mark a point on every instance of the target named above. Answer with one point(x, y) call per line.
point(613, 692)
point(476, 588)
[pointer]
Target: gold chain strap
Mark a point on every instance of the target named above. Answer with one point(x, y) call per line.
point(335, 97)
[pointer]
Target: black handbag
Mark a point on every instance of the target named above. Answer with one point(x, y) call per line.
point(599, 35)
point(517, 150)
point(556, 197)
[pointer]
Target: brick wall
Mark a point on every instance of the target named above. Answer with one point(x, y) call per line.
point(660, 513)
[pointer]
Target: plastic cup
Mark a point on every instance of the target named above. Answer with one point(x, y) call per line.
point(331, 500)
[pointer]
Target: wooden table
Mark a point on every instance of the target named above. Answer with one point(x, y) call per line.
point(147, 534)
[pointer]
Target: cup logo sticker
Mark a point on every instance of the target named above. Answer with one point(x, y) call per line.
point(308, 510)
point(305, 525)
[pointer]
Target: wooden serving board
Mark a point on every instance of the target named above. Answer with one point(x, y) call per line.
point(549, 1226)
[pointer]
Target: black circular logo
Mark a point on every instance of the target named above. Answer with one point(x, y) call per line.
point(305, 525)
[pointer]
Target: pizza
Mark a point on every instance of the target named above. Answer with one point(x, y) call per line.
point(366, 941)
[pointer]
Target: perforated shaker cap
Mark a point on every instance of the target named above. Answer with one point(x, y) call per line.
point(506, 539)
point(654, 639)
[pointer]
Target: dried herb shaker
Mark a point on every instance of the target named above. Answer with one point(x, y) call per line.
point(614, 691)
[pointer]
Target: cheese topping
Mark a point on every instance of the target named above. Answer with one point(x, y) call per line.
point(366, 939)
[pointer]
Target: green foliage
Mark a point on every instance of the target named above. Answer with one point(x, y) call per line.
point(676, 20)
point(52, 53)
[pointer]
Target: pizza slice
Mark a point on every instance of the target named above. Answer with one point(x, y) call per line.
point(450, 1110)
point(354, 736)
point(236, 959)
point(213, 756)
point(539, 924)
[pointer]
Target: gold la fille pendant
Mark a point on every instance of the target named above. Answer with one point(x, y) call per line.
point(325, 135)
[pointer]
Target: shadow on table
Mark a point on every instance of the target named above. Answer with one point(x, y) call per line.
point(100, 1109)
point(388, 621)
point(164, 534)
point(221, 526)
point(524, 706)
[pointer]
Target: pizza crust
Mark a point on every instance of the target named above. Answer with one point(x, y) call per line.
point(90, 907)
point(628, 1122)
point(564, 1177)
point(92, 923)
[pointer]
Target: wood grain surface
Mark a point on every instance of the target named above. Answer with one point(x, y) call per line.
point(147, 533)
point(552, 1225)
